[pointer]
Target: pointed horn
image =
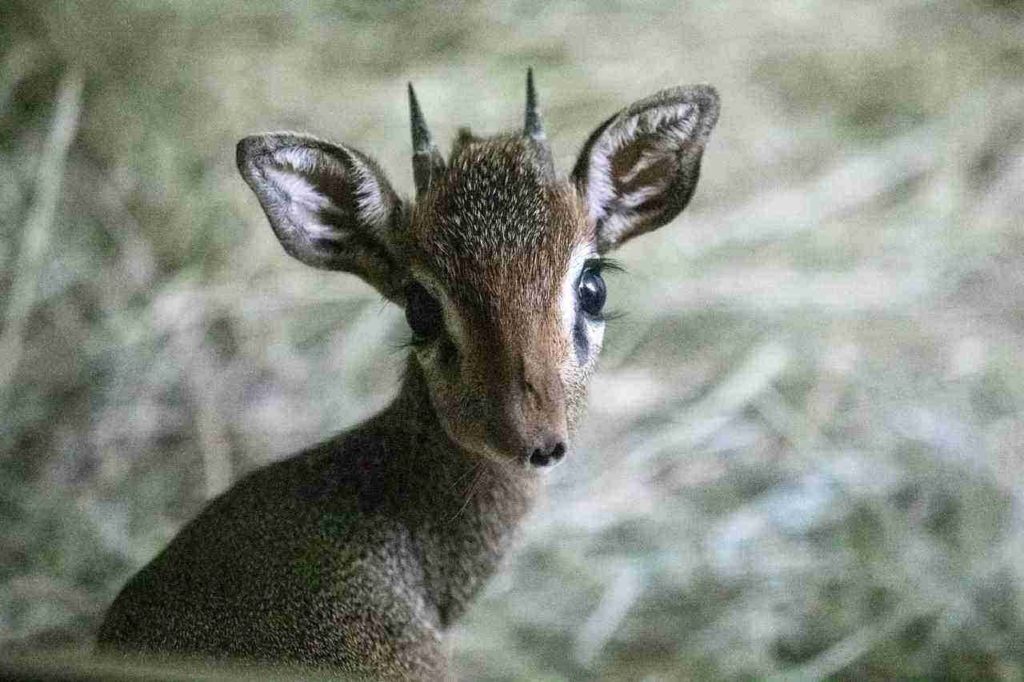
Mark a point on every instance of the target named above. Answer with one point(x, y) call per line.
point(426, 160)
point(533, 127)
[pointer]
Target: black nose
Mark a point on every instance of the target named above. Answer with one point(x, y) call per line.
point(541, 458)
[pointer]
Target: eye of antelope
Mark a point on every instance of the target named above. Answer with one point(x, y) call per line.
point(592, 291)
point(423, 313)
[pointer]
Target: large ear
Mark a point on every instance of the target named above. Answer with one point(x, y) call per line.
point(638, 170)
point(330, 206)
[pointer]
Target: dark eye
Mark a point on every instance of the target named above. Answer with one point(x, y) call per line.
point(423, 313)
point(592, 292)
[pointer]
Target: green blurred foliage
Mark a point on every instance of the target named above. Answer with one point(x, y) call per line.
point(805, 450)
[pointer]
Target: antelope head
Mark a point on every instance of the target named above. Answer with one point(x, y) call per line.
point(497, 262)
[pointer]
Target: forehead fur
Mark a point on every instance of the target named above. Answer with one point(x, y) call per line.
point(498, 225)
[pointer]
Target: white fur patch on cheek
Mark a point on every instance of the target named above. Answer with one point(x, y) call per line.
point(595, 334)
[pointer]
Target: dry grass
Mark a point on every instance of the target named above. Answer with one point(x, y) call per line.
point(804, 451)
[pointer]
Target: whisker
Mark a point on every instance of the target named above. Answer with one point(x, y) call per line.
point(461, 477)
point(469, 495)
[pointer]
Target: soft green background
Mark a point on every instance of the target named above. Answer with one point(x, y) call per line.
point(804, 454)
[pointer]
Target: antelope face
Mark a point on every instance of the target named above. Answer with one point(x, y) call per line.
point(498, 262)
point(505, 300)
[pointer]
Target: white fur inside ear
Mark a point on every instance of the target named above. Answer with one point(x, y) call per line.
point(298, 173)
point(661, 130)
point(373, 209)
point(302, 203)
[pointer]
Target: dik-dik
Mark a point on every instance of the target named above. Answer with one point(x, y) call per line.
point(359, 553)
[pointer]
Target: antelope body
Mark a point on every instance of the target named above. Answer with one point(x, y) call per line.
point(358, 553)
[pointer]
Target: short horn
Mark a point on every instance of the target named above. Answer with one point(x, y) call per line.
point(533, 126)
point(534, 129)
point(426, 160)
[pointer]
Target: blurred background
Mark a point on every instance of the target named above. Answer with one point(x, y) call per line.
point(804, 455)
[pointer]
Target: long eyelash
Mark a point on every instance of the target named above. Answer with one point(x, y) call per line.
point(609, 316)
point(613, 315)
point(411, 342)
point(602, 264)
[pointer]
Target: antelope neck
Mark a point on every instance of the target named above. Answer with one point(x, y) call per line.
point(469, 505)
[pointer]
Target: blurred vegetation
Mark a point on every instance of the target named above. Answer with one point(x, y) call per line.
point(805, 455)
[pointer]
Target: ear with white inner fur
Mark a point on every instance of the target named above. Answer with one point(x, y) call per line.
point(638, 170)
point(330, 206)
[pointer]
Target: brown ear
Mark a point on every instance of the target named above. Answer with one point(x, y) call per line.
point(638, 170)
point(330, 206)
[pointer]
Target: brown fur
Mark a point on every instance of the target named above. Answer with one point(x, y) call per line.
point(496, 235)
point(357, 554)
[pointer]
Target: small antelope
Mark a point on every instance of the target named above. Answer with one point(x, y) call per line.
point(359, 553)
